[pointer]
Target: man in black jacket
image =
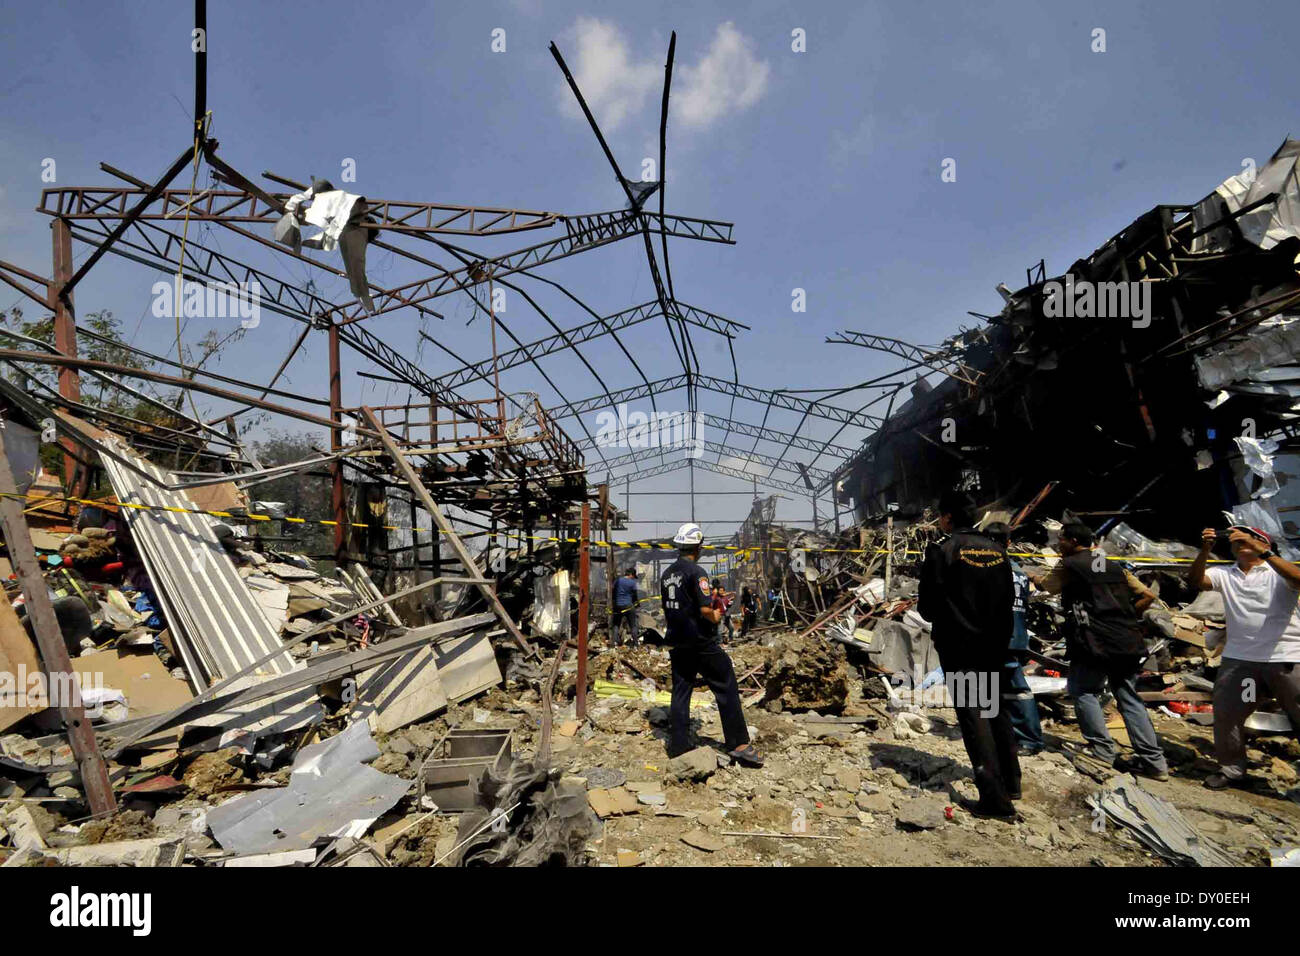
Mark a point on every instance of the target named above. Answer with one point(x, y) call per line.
point(966, 594)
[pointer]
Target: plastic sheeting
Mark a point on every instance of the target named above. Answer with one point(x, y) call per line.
point(1258, 456)
point(551, 604)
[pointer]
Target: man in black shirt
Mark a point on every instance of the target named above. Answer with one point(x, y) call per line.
point(966, 594)
point(692, 626)
point(1104, 641)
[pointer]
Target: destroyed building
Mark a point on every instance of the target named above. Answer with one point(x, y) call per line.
point(1167, 356)
point(409, 660)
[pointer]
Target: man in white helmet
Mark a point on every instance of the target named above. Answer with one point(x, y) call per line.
point(694, 650)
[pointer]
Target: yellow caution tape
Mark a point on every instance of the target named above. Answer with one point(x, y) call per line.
point(743, 552)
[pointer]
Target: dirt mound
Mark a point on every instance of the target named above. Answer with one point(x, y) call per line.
point(811, 674)
point(127, 825)
point(211, 771)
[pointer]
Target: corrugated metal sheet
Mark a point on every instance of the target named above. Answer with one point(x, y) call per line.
point(219, 627)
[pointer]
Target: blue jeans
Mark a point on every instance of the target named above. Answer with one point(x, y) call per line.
point(1019, 701)
point(1088, 677)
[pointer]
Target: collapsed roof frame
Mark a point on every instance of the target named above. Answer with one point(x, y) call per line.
point(1215, 286)
point(138, 222)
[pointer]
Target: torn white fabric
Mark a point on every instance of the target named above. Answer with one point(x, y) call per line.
point(332, 211)
point(338, 215)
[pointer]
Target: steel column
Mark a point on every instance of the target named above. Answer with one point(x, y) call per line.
point(65, 339)
point(584, 602)
point(338, 498)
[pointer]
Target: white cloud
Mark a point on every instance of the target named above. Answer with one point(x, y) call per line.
point(729, 79)
point(614, 85)
point(747, 465)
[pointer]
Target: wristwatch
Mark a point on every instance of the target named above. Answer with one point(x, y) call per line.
point(1266, 554)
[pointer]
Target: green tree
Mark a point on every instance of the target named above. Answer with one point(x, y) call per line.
point(304, 494)
point(104, 344)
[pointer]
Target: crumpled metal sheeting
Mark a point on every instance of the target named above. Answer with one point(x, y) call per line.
point(1274, 343)
point(330, 788)
point(550, 826)
point(1158, 824)
point(220, 627)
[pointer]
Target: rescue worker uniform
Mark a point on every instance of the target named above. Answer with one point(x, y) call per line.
point(695, 652)
point(966, 593)
point(1016, 695)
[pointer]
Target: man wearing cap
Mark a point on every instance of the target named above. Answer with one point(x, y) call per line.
point(1260, 596)
point(692, 625)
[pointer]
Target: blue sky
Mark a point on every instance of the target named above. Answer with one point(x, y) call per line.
point(828, 161)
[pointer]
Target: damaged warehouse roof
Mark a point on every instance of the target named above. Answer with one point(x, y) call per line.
point(1144, 372)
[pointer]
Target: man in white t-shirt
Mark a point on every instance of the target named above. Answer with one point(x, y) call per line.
point(1261, 605)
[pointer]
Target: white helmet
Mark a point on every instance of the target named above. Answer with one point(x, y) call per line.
point(688, 534)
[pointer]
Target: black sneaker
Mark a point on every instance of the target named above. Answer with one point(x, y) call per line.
point(1141, 768)
point(976, 809)
point(1221, 781)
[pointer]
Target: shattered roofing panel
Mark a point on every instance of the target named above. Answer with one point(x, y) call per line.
point(330, 787)
point(212, 613)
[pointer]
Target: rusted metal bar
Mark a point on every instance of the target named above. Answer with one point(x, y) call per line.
point(584, 605)
point(49, 638)
point(39, 358)
point(150, 197)
point(584, 233)
point(65, 339)
point(1028, 509)
point(38, 293)
point(611, 572)
point(338, 495)
point(239, 205)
